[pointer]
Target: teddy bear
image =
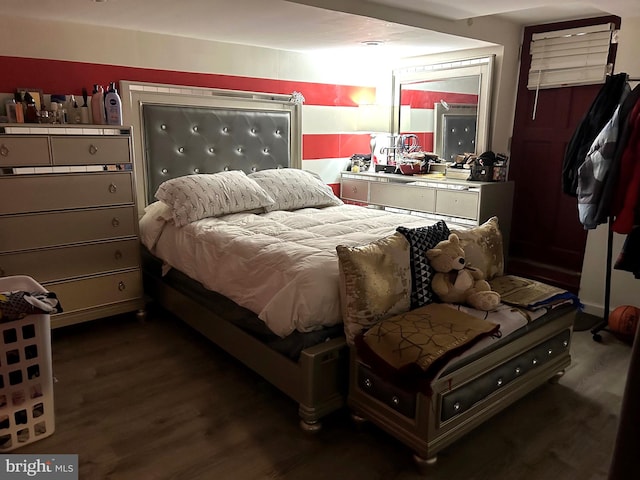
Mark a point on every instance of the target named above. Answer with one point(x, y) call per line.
point(457, 282)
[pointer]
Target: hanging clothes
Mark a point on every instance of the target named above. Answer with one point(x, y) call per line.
point(590, 126)
point(625, 200)
point(629, 257)
point(610, 186)
point(593, 172)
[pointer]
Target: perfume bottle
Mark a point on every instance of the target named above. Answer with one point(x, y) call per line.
point(31, 112)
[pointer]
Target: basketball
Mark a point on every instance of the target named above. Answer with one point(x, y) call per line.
point(623, 320)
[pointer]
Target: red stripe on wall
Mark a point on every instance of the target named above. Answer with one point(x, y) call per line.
point(68, 78)
point(334, 145)
point(425, 99)
point(425, 140)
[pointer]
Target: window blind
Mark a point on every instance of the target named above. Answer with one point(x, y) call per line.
point(576, 56)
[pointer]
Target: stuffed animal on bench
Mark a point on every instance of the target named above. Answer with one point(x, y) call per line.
point(457, 282)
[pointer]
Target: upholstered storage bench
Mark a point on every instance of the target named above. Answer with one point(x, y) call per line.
point(466, 392)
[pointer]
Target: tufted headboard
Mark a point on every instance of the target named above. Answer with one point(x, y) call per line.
point(183, 130)
point(181, 140)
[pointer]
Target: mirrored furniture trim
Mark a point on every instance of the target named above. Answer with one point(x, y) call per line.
point(481, 66)
point(68, 217)
point(459, 114)
point(457, 202)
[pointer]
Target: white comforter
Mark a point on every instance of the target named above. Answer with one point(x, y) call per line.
point(281, 265)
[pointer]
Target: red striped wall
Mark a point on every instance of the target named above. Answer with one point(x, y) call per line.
point(426, 99)
point(65, 77)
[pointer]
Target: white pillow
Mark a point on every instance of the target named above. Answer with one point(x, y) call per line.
point(194, 197)
point(156, 215)
point(292, 189)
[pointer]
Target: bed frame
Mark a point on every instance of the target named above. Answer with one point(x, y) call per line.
point(183, 130)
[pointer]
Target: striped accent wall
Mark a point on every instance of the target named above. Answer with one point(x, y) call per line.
point(330, 112)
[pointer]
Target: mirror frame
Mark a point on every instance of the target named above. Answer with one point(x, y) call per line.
point(482, 66)
point(36, 93)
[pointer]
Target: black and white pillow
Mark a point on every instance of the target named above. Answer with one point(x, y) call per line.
point(420, 240)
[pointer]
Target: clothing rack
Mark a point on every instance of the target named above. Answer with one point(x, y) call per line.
point(595, 331)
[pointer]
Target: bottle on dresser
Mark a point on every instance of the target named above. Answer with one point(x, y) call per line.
point(97, 105)
point(113, 105)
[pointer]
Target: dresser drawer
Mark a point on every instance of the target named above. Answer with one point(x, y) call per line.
point(97, 291)
point(421, 199)
point(66, 262)
point(354, 190)
point(84, 150)
point(21, 151)
point(457, 203)
point(38, 193)
point(23, 232)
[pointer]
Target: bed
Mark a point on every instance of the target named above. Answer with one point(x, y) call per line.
point(181, 131)
point(296, 341)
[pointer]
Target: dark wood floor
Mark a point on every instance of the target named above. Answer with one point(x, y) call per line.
point(154, 400)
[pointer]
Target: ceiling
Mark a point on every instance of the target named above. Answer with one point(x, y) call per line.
point(291, 25)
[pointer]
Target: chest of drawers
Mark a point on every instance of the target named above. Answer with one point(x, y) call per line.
point(68, 217)
point(455, 201)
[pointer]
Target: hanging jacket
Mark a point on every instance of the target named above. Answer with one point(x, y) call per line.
point(592, 123)
point(627, 194)
point(611, 181)
point(593, 171)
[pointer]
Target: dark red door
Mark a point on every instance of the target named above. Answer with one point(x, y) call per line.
point(547, 240)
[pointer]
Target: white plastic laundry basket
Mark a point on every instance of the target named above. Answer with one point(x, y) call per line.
point(26, 377)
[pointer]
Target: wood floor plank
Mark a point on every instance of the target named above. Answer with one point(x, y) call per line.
point(155, 400)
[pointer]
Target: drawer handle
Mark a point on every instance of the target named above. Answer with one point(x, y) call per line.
point(118, 255)
point(113, 188)
point(93, 149)
point(354, 189)
point(4, 151)
point(115, 222)
point(121, 286)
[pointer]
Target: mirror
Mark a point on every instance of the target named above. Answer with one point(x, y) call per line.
point(35, 93)
point(444, 108)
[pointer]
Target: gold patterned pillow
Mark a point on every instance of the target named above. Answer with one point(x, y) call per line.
point(375, 282)
point(483, 247)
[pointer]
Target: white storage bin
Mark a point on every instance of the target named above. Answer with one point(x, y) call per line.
point(26, 377)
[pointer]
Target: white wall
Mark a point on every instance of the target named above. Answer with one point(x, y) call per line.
point(505, 35)
point(625, 288)
point(83, 43)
